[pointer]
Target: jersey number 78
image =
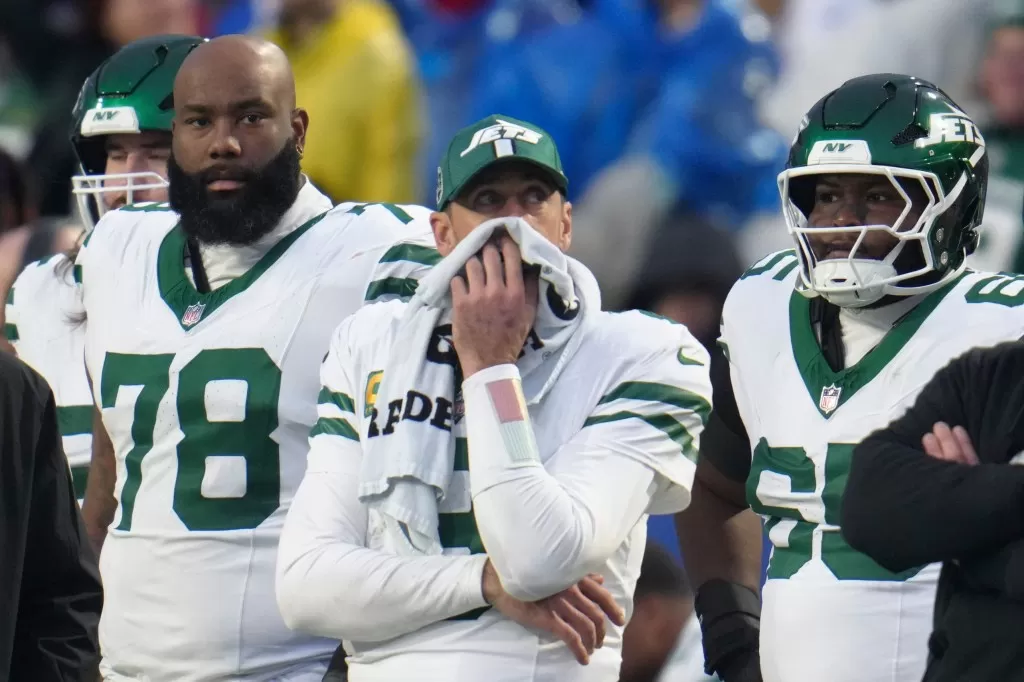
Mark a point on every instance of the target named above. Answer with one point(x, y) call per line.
point(245, 436)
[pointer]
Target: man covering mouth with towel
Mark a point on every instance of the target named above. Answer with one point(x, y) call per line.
point(478, 484)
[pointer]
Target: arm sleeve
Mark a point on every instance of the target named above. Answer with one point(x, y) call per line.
point(328, 582)
point(61, 595)
point(725, 442)
point(904, 508)
point(546, 526)
point(1001, 571)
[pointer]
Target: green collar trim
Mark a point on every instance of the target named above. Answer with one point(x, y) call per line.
point(829, 390)
point(178, 291)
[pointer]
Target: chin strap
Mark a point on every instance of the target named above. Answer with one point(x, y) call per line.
point(195, 260)
point(825, 322)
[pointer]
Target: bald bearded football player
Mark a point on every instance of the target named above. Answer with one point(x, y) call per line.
point(207, 320)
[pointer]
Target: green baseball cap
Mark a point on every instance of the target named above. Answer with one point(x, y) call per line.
point(495, 139)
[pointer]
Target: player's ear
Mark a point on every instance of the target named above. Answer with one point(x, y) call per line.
point(565, 227)
point(444, 233)
point(300, 124)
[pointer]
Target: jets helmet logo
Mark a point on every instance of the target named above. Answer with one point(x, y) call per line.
point(193, 314)
point(950, 127)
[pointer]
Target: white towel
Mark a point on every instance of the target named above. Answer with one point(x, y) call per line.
point(406, 468)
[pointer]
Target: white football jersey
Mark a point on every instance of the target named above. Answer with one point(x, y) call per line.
point(830, 612)
point(209, 399)
point(43, 320)
point(634, 379)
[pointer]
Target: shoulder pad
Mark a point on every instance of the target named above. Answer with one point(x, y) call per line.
point(145, 206)
point(775, 267)
point(370, 324)
point(644, 332)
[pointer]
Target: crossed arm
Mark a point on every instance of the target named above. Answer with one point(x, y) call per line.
point(546, 527)
point(920, 491)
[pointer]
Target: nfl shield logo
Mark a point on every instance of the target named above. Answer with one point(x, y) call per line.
point(193, 314)
point(829, 398)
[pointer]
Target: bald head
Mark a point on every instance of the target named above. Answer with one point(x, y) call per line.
point(245, 60)
point(237, 132)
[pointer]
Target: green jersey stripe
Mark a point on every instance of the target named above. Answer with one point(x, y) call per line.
point(393, 209)
point(10, 296)
point(725, 348)
point(402, 287)
point(461, 454)
point(660, 393)
point(415, 253)
point(11, 332)
point(686, 360)
point(74, 420)
point(771, 262)
point(784, 271)
point(76, 273)
point(79, 479)
point(334, 427)
point(670, 426)
point(339, 400)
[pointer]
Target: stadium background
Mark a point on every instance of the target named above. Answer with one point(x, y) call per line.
point(673, 116)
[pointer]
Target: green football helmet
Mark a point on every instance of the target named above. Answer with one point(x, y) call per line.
point(906, 130)
point(130, 92)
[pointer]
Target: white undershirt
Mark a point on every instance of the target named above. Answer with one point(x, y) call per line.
point(864, 328)
point(225, 262)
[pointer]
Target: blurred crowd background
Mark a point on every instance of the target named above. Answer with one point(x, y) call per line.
point(673, 118)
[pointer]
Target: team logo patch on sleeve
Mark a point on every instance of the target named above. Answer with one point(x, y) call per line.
point(829, 398)
point(193, 314)
point(372, 388)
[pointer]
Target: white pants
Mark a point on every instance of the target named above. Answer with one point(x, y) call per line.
point(847, 631)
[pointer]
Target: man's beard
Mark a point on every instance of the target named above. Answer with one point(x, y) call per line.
point(248, 213)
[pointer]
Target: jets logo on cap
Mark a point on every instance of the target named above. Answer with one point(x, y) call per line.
point(501, 134)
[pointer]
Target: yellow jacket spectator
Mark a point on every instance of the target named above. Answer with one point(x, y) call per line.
point(354, 74)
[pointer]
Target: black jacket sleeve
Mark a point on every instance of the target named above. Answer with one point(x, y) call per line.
point(1000, 572)
point(904, 508)
point(724, 441)
point(55, 636)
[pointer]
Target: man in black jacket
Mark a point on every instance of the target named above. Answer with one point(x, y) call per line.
point(50, 594)
point(940, 484)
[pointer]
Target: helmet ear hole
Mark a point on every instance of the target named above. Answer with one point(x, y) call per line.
point(970, 235)
point(801, 193)
point(971, 240)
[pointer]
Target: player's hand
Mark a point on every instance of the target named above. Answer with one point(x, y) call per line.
point(951, 445)
point(493, 307)
point(576, 616)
